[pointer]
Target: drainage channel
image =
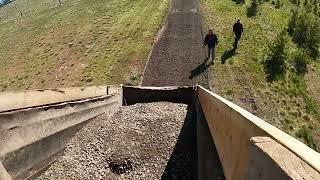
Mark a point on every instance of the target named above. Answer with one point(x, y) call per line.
point(159, 133)
point(141, 141)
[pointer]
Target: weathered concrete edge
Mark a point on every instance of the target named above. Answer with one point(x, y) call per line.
point(13, 139)
point(268, 159)
point(307, 154)
point(32, 98)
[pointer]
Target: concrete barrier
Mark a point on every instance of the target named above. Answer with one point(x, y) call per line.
point(232, 128)
point(209, 166)
point(32, 137)
point(32, 98)
point(270, 160)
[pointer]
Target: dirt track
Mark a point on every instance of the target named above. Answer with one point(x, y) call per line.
point(178, 55)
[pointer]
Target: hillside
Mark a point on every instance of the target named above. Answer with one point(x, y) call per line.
point(290, 103)
point(76, 43)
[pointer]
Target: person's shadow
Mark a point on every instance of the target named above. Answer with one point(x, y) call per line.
point(227, 55)
point(201, 68)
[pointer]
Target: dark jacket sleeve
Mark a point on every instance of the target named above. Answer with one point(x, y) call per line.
point(241, 27)
point(205, 40)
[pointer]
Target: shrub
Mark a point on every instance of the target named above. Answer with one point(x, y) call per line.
point(296, 2)
point(298, 86)
point(278, 4)
point(292, 24)
point(307, 136)
point(252, 10)
point(315, 9)
point(305, 31)
point(275, 65)
point(300, 62)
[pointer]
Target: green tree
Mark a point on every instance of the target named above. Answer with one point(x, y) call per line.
point(305, 31)
point(275, 64)
point(278, 4)
point(300, 62)
point(253, 9)
point(292, 24)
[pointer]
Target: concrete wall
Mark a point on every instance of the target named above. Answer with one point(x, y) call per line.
point(23, 99)
point(270, 160)
point(209, 166)
point(232, 128)
point(32, 137)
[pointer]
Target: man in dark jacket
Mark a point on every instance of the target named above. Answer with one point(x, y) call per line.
point(237, 30)
point(211, 40)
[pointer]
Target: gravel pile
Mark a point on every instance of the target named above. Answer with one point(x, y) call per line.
point(143, 141)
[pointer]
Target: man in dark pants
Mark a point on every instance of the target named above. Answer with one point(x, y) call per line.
point(237, 30)
point(211, 40)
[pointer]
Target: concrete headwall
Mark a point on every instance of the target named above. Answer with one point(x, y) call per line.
point(175, 94)
point(232, 128)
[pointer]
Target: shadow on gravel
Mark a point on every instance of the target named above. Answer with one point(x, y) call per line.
point(200, 69)
point(183, 160)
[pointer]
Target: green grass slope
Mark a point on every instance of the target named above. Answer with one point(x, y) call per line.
point(77, 43)
point(291, 103)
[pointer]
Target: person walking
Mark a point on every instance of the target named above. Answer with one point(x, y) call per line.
point(211, 40)
point(237, 30)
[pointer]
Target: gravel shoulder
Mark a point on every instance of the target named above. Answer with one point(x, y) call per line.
point(142, 141)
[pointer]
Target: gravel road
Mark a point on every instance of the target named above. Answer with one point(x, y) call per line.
point(177, 58)
point(142, 141)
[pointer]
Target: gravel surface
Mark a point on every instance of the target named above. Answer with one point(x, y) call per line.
point(178, 56)
point(142, 141)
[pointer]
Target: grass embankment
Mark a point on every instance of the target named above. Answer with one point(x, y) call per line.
point(77, 43)
point(290, 103)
